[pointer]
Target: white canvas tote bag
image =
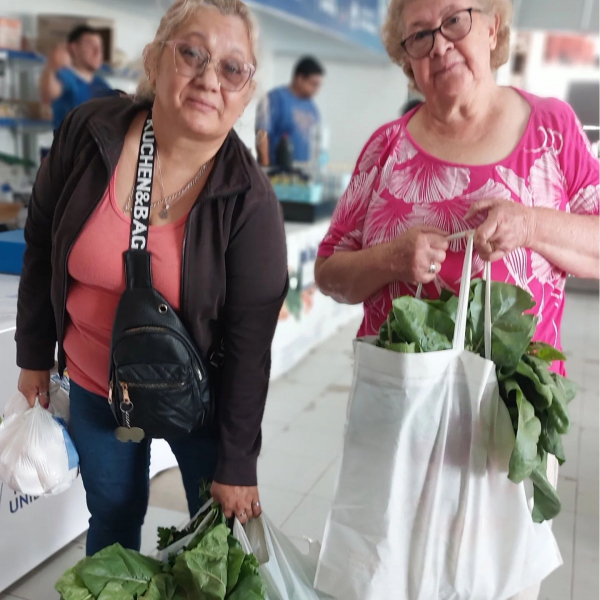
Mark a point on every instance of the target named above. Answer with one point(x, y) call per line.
point(424, 509)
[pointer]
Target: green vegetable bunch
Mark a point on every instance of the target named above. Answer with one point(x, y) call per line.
point(537, 399)
point(213, 566)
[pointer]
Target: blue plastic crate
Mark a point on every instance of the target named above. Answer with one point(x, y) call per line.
point(311, 193)
point(12, 248)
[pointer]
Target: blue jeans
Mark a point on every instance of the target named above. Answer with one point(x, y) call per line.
point(116, 474)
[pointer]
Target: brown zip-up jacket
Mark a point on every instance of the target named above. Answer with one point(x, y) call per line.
point(234, 267)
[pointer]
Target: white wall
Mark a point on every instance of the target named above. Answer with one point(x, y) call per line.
point(553, 79)
point(135, 22)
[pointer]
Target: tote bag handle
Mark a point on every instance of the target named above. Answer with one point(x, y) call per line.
point(462, 313)
point(460, 330)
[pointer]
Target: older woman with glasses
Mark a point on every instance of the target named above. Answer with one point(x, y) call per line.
point(218, 251)
point(516, 168)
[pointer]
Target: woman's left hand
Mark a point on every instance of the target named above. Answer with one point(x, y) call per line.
point(241, 501)
point(508, 226)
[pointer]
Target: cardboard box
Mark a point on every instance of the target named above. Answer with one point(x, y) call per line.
point(36, 111)
point(9, 211)
point(11, 31)
point(54, 29)
point(39, 111)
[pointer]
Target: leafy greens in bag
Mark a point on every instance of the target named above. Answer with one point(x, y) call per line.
point(536, 398)
point(212, 566)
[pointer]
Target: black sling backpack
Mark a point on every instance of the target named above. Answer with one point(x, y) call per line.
point(159, 384)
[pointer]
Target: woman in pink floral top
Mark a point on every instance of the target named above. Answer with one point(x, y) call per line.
point(515, 167)
point(475, 155)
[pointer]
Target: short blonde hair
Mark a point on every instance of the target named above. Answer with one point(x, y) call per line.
point(175, 17)
point(393, 34)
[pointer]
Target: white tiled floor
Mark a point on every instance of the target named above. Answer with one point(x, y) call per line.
point(303, 430)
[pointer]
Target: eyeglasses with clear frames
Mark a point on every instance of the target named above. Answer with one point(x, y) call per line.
point(191, 60)
point(456, 27)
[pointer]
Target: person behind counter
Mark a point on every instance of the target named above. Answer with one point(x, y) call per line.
point(70, 77)
point(217, 243)
point(291, 112)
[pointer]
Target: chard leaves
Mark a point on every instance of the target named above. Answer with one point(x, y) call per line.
point(537, 399)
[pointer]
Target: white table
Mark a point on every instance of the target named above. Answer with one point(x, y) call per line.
point(32, 530)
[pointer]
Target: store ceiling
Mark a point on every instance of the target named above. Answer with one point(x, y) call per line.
point(282, 34)
point(287, 35)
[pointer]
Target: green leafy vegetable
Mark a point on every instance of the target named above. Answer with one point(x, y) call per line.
point(132, 570)
point(115, 591)
point(539, 394)
point(70, 587)
point(250, 585)
point(202, 572)
point(170, 535)
point(215, 517)
point(537, 400)
point(422, 324)
point(558, 412)
point(524, 457)
point(545, 352)
point(568, 387)
point(162, 587)
point(546, 504)
point(235, 562)
point(551, 440)
point(511, 329)
point(212, 566)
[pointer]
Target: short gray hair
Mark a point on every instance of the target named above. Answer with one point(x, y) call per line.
point(175, 17)
point(393, 34)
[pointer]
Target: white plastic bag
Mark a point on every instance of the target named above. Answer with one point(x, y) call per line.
point(287, 573)
point(424, 509)
point(37, 455)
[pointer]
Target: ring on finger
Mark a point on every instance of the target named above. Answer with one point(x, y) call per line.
point(45, 394)
point(242, 514)
point(256, 504)
point(432, 268)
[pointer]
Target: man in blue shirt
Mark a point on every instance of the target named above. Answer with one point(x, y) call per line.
point(290, 112)
point(70, 78)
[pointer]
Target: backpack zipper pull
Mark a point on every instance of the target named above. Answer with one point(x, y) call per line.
point(126, 406)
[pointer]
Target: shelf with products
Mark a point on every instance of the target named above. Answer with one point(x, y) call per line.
point(127, 73)
point(22, 114)
point(31, 125)
point(21, 55)
point(39, 60)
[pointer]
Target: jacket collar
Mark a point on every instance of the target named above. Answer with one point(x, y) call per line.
point(230, 174)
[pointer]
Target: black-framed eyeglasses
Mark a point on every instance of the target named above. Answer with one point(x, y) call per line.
point(191, 60)
point(456, 27)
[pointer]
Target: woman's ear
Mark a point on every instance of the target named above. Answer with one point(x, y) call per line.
point(494, 27)
point(150, 63)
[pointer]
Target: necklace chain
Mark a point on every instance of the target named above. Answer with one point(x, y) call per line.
point(168, 201)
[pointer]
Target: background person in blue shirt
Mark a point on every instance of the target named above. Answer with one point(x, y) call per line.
point(290, 111)
point(70, 78)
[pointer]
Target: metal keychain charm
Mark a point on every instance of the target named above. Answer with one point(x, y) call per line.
point(130, 434)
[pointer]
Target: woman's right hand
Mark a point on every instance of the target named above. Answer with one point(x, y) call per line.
point(413, 253)
point(34, 384)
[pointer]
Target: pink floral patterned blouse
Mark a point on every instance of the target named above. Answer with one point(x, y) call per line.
point(397, 185)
